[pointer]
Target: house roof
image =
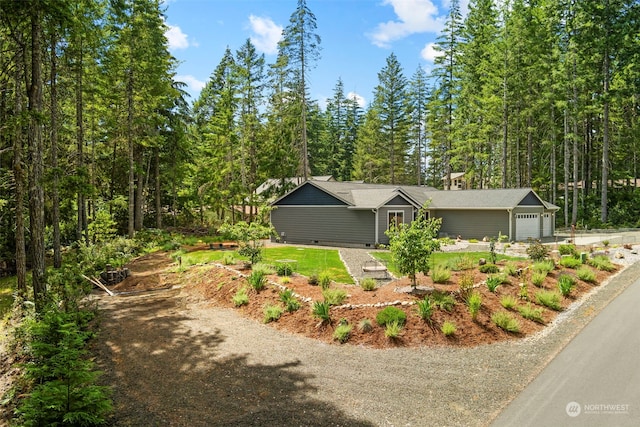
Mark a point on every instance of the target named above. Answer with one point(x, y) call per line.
point(358, 195)
point(277, 182)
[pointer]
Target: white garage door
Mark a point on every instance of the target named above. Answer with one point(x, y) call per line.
point(527, 226)
point(547, 229)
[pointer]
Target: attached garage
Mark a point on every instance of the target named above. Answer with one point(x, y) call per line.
point(527, 226)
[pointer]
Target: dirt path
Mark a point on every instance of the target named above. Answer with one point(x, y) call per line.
point(175, 361)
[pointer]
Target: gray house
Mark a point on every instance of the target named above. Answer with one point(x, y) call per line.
point(358, 214)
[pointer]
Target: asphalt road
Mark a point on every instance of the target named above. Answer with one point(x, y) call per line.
point(594, 381)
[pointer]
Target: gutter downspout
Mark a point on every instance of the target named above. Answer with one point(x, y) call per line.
point(511, 236)
point(375, 211)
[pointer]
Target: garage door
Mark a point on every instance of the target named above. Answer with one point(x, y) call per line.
point(527, 226)
point(547, 229)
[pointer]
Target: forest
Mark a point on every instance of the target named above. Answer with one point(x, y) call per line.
point(98, 138)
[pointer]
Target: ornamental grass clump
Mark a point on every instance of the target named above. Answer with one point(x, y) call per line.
point(368, 284)
point(365, 325)
point(289, 300)
point(389, 315)
point(543, 267)
point(342, 332)
point(440, 274)
point(570, 262)
point(538, 279)
point(531, 313)
point(601, 262)
point(392, 330)
point(272, 313)
point(489, 269)
point(284, 269)
point(443, 300)
point(508, 301)
point(566, 284)
point(448, 328)
point(324, 279)
point(425, 309)
point(586, 274)
point(334, 296)
point(493, 282)
point(321, 310)
point(551, 299)
point(241, 297)
point(505, 321)
point(474, 302)
point(257, 279)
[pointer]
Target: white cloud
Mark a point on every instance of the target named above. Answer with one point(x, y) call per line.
point(414, 16)
point(176, 38)
point(430, 53)
point(359, 99)
point(193, 83)
point(266, 34)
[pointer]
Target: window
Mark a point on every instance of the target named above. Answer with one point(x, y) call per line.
point(395, 217)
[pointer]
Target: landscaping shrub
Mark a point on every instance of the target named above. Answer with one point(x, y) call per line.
point(448, 328)
point(365, 325)
point(568, 249)
point(368, 284)
point(334, 296)
point(531, 313)
point(493, 282)
point(549, 299)
point(443, 300)
point(570, 262)
point(489, 268)
point(272, 313)
point(508, 301)
point(586, 274)
point(313, 280)
point(389, 315)
point(290, 302)
point(425, 309)
point(545, 266)
point(392, 330)
point(601, 262)
point(342, 332)
point(228, 258)
point(523, 293)
point(241, 297)
point(263, 268)
point(324, 279)
point(285, 280)
point(284, 269)
point(474, 302)
point(440, 274)
point(566, 284)
point(465, 284)
point(463, 262)
point(537, 251)
point(538, 278)
point(505, 321)
point(257, 280)
point(321, 310)
point(511, 269)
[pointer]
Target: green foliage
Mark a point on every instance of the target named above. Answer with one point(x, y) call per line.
point(537, 251)
point(291, 303)
point(321, 310)
point(474, 302)
point(523, 292)
point(412, 245)
point(249, 237)
point(391, 314)
point(508, 301)
point(272, 313)
point(309, 261)
point(601, 262)
point(493, 282)
point(241, 297)
point(284, 269)
point(262, 268)
point(228, 258)
point(511, 269)
point(102, 227)
point(334, 296)
point(63, 379)
point(489, 269)
point(545, 267)
point(393, 329)
point(566, 284)
point(324, 279)
point(425, 309)
point(465, 284)
point(440, 274)
point(568, 249)
point(342, 332)
point(570, 262)
point(368, 284)
point(531, 313)
point(549, 299)
point(313, 280)
point(586, 274)
point(443, 300)
point(538, 278)
point(505, 321)
point(257, 280)
point(448, 328)
point(460, 263)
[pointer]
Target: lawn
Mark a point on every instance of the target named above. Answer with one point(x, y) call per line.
point(308, 261)
point(445, 258)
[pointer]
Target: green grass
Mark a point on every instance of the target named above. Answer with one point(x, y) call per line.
point(7, 285)
point(444, 258)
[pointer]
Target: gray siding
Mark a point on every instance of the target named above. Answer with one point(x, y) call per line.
point(527, 209)
point(324, 225)
point(473, 224)
point(383, 219)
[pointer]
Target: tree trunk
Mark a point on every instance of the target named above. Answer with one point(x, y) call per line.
point(131, 205)
point(157, 182)
point(55, 197)
point(19, 177)
point(605, 138)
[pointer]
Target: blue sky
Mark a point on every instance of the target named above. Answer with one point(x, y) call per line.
point(357, 37)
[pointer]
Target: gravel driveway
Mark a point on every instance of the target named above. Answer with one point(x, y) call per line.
point(173, 361)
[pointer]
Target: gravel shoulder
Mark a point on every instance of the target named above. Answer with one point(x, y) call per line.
point(173, 360)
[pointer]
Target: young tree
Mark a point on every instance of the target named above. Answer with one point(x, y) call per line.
point(411, 245)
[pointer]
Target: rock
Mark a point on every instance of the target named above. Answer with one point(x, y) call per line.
point(634, 251)
point(482, 261)
point(619, 255)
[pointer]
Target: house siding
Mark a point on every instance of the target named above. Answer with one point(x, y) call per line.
point(383, 219)
point(324, 225)
point(472, 224)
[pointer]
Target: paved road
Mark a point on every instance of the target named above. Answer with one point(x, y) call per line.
point(594, 381)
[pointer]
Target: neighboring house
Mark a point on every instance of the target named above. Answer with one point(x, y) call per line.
point(358, 214)
point(458, 181)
